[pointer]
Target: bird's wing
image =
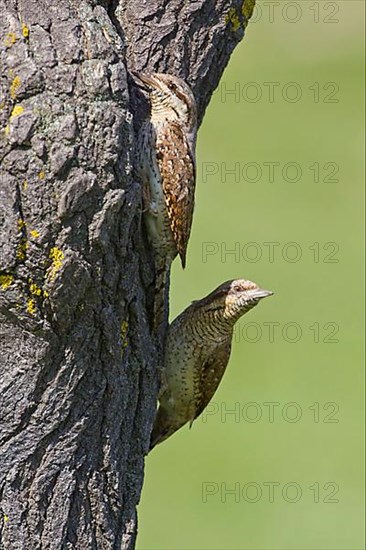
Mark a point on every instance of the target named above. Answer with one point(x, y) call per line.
point(177, 169)
point(210, 376)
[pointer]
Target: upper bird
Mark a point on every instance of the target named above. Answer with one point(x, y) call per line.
point(197, 351)
point(165, 162)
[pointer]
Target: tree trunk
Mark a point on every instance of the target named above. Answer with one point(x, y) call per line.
point(78, 366)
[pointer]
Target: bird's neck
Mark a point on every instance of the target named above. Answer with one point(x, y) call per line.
point(211, 325)
point(161, 114)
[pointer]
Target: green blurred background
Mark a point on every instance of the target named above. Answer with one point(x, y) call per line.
point(186, 501)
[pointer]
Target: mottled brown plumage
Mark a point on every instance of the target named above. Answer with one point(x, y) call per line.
point(197, 351)
point(165, 161)
point(177, 172)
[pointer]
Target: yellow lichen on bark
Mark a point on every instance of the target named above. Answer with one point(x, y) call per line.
point(247, 8)
point(22, 249)
point(31, 306)
point(17, 111)
point(14, 87)
point(57, 256)
point(21, 224)
point(235, 18)
point(5, 281)
point(25, 30)
point(35, 289)
point(10, 39)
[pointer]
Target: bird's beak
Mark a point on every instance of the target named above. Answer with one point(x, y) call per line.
point(260, 293)
point(144, 81)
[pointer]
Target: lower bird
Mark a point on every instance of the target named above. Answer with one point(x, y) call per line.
point(197, 351)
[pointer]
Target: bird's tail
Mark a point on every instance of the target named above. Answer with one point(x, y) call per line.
point(162, 428)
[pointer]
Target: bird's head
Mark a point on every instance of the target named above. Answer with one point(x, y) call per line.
point(234, 298)
point(170, 97)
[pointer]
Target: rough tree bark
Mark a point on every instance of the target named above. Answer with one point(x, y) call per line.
point(78, 367)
